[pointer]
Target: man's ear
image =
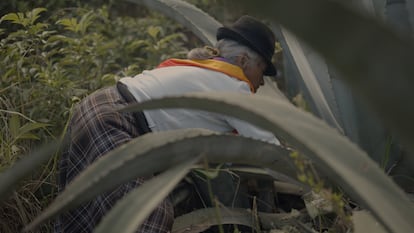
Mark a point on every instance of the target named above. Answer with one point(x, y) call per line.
point(242, 60)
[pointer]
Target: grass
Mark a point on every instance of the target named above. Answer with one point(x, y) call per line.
point(36, 191)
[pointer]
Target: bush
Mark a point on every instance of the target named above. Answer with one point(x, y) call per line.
point(51, 62)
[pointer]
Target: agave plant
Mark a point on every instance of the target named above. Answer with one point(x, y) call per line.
point(336, 158)
point(331, 98)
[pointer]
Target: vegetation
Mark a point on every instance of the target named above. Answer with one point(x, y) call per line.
point(51, 61)
point(54, 57)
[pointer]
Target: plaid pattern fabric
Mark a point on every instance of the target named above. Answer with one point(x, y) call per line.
point(94, 130)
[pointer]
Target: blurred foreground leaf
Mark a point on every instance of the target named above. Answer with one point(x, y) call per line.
point(137, 205)
point(11, 177)
point(156, 152)
point(341, 161)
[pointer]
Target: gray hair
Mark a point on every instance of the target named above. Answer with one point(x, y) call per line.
point(228, 49)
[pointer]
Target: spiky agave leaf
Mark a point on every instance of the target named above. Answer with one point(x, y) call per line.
point(156, 152)
point(136, 206)
point(202, 219)
point(338, 158)
point(310, 75)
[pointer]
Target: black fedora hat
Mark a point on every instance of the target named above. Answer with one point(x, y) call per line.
point(252, 33)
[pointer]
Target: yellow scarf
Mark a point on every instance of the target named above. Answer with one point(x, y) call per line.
point(216, 65)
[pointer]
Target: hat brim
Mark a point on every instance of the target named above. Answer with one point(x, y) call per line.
point(226, 32)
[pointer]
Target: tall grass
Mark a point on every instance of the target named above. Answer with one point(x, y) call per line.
point(36, 191)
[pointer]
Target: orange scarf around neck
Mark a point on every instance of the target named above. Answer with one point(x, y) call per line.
point(216, 65)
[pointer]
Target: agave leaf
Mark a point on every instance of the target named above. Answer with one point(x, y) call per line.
point(364, 222)
point(167, 149)
point(309, 75)
point(202, 219)
point(200, 23)
point(366, 61)
point(360, 124)
point(280, 180)
point(375, 7)
point(10, 177)
point(341, 160)
point(369, 5)
point(410, 9)
point(136, 206)
point(398, 15)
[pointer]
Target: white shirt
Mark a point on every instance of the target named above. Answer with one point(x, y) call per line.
point(178, 80)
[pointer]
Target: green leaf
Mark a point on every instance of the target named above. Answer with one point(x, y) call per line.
point(17, 18)
point(70, 24)
point(154, 31)
point(40, 27)
point(137, 44)
point(85, 21)
point(28, 127)
point(11, 17)
point(209, 173)
point(134, 208)
point(167, 39)
point(155, 152)
point(28, 136)
point(34, 14)
point(14, 125)
point(338, 158)
point(56, 38)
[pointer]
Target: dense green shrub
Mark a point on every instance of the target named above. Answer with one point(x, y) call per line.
point(48, 65)
point(51, 60)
